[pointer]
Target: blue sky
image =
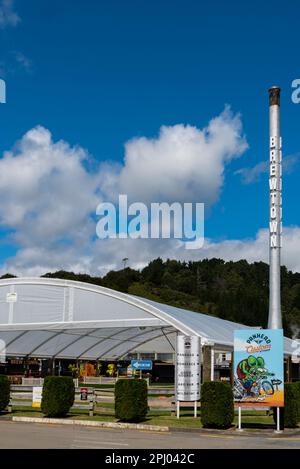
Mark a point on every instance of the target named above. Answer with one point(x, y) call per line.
point(98, 74)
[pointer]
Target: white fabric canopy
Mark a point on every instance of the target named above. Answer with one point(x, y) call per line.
point(54, 318)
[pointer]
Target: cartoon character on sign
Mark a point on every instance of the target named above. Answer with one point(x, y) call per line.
point(252, 374)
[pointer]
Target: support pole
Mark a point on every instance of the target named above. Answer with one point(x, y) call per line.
point(278, 421)
point(240, 419)
point(212, 366)
point(178, 409)
point(195, 409)
point(92, 405)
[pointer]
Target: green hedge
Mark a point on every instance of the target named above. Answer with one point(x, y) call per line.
point(58, 396)
point(217, 407)
point(297, 386)
point(4, 392)
point(131, 400)
point(290, 413)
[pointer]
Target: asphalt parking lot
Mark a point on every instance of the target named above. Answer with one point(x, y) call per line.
point(40, 436)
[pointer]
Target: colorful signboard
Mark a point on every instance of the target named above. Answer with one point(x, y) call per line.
point(258, 368)
point(188, 368)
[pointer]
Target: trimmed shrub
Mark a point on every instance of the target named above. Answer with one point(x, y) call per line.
point(58, 396)
point(289, 414)
point(131, 400)
point(4, 392)
point(297, 386)
point(217, 407)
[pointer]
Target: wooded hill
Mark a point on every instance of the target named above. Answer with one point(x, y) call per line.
point(237, 291)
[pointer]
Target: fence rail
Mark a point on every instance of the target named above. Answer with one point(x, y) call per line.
point(106, 380)
point(159, 398)
point(39, 382)
point(24, 397)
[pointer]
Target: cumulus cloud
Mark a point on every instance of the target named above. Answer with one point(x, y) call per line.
point(8, 16)
point(183, 163)
point(47, 194)
point(50, 190)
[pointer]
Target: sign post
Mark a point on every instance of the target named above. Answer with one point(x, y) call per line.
point(187, 371)
point(240, 420)
point(258, 369)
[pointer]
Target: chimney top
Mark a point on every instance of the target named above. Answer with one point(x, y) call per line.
point(274, 95)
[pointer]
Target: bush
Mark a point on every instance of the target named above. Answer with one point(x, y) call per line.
point(289, 414)
point(4, 392)
point(131, 400)
point(297, 386)
point(58, 396)
point(217, 407)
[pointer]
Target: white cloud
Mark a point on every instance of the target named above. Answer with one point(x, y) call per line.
point(46, 193)
point(48, 197)
point(183, 163)
point(258, 249)
point(141, 251)
point(23, 61)
point(14, 62)
point(250, 175)
point(101, 256)
point(8, 16)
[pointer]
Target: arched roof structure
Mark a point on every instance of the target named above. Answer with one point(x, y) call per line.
point(54, 318)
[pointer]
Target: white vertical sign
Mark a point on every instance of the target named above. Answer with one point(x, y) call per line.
point(37, 392)
point(188, 368)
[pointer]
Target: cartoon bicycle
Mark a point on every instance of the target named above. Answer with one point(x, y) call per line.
point(252, 380)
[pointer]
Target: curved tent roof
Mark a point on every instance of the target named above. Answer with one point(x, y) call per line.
point(54, 318)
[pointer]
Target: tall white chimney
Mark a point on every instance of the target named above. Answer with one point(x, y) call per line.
point(275, 226)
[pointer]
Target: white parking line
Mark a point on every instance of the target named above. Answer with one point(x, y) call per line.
point(92, 443)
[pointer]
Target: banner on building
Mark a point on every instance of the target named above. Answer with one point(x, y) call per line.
point(188, 367)
point(258, 368)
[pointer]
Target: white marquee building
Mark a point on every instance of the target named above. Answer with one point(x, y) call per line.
point(61, 319)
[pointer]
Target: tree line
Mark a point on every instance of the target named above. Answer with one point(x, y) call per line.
point(235, 291)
